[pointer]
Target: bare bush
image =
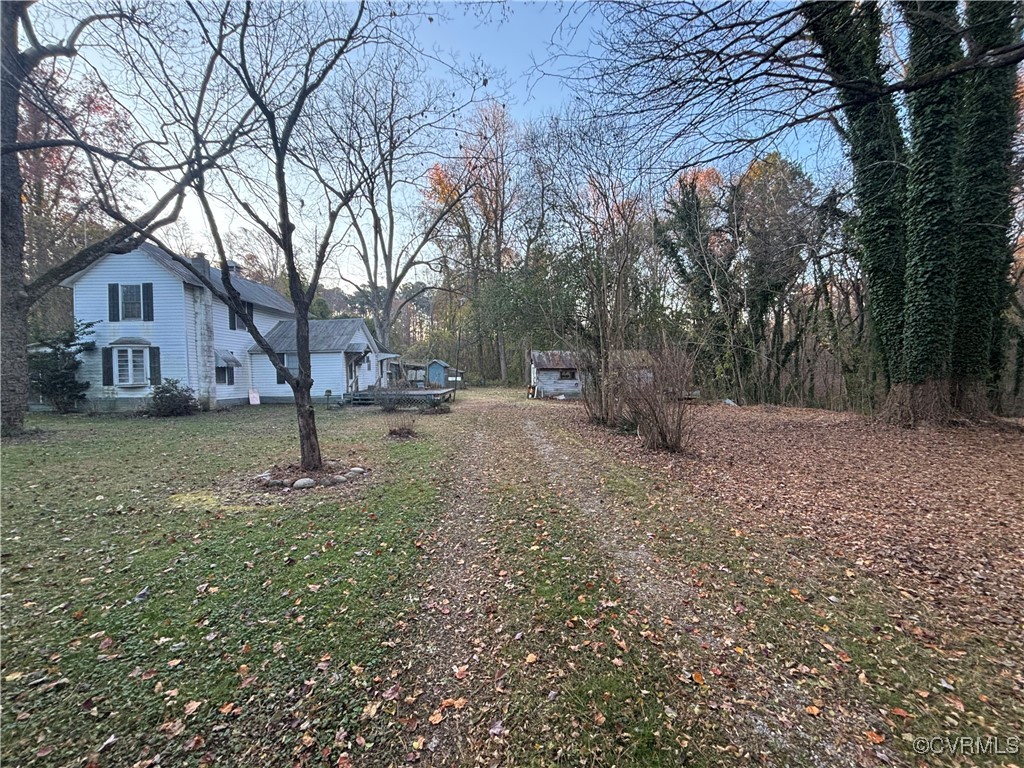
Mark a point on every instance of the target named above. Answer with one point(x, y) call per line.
point(589, 371)
point(401, 424)
point(389, 402)
point(656, 397)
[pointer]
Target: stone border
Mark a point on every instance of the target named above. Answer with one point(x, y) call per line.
point(304, 483)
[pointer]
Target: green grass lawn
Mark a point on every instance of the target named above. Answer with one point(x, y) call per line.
point(265, 611)
point(160, 605)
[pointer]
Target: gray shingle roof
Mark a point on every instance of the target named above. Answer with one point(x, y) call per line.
point(324, 336)
point(257, 293)
point(553, 359)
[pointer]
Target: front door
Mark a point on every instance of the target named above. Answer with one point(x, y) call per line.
point(351, 372)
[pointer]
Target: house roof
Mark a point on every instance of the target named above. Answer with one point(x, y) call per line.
point(225, 358)
point(324, 336)
point(442, 363)
point(256, 293)
point(130, 341)
point(553, 359)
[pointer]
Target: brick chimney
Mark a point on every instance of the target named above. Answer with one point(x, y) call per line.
point(200, 263)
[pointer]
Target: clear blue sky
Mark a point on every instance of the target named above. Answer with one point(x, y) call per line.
point(517, 38)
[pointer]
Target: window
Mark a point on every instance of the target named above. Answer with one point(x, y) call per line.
point(369, 363)
point(289, 360)
point(130, 363)
point(567, 373)
point(225, 375)
point(237, 322)
point(131, 302)
point(131, 367)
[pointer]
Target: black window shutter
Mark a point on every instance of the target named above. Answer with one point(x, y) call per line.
point(108, 366)
point(147, 301)
point(113, 302)
point(154, 365)
point(231, 319)
point(280, 376)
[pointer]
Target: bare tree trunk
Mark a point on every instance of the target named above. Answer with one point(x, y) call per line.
point(502, 361)
point(14, 316)
point(309, 443)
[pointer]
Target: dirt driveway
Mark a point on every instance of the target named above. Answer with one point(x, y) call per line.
point(581, 602)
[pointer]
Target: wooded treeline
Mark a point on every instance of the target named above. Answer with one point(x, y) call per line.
point(893, 285)
point(658, 217)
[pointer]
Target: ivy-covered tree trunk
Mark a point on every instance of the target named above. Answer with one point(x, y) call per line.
point(922, 388)
point(987, 122)
point(934, 236)
point(850, 40)
point(14, 303)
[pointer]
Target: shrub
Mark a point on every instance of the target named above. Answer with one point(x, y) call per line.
point(401, 424)
point(656, 400)
point(54, 372)
point(389, 401)
point(172, 398)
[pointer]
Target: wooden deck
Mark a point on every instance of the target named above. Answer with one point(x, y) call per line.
point(402, 398)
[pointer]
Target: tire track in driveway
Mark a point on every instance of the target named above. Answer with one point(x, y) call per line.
point(448, 644)
point(659, 584)
point(668, 588)
point(476, 596)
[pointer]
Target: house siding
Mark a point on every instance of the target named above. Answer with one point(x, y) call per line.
point(237, 342)
point(167, 330)
point(328, 370)
point(188, 326)
point(550, 384)
point(367, 377)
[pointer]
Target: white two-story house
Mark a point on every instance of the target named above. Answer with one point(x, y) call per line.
point(155, 320)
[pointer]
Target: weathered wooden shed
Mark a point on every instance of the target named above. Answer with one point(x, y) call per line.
point(437, 373)
point(554, 373)
point(414, 373)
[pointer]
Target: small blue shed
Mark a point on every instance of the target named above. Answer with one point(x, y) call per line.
point(437, 373)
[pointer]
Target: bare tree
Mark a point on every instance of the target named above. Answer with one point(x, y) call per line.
point(715, 77)
point(260, 256)
point(605, 213)
point(281, 61)
point(397, 125)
